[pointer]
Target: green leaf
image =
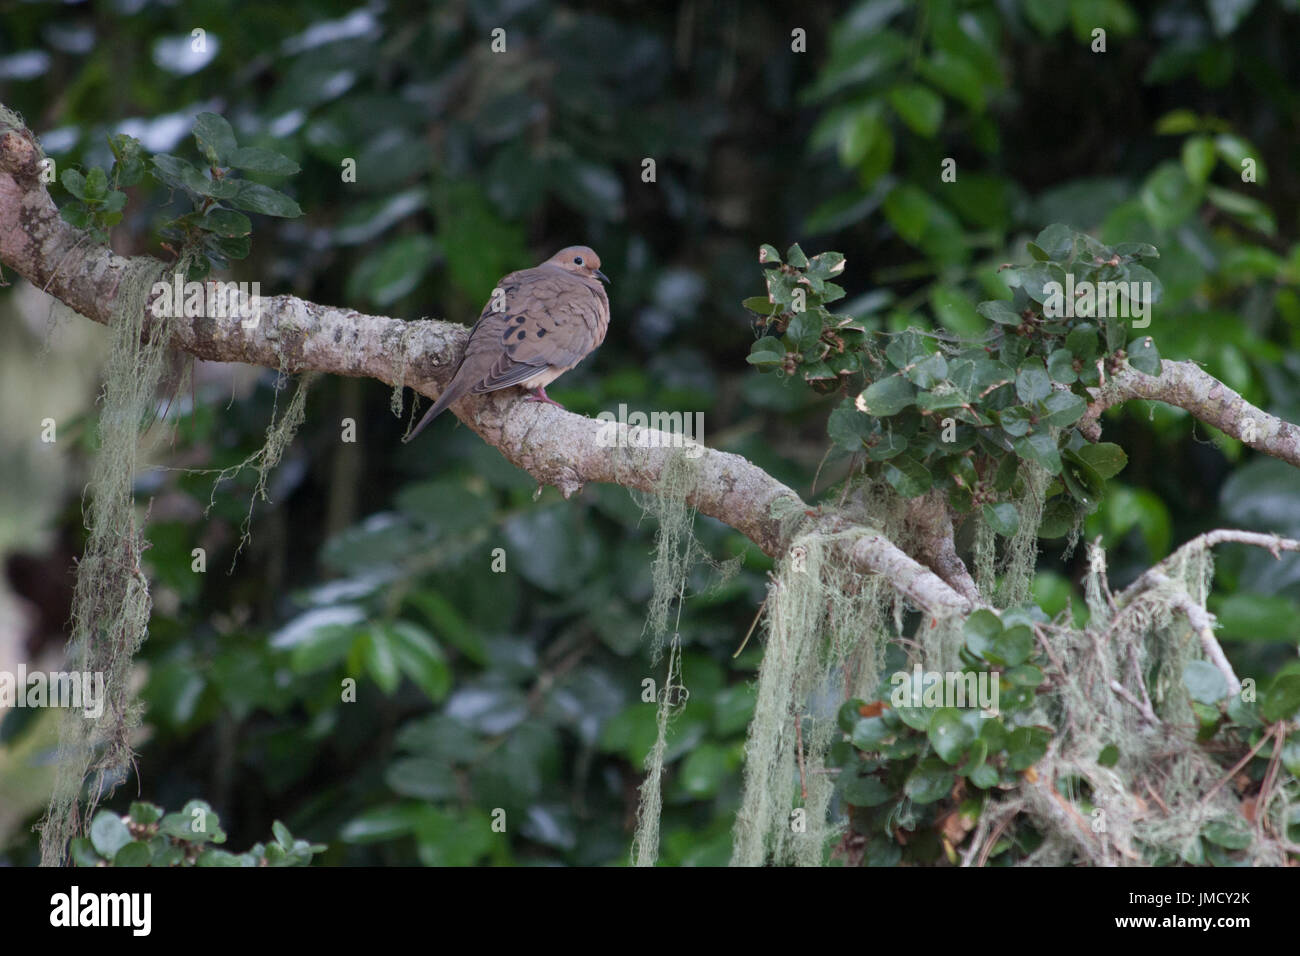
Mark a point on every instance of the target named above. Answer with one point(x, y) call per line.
point(1205, 682)
point(1004, 518)
point(1106, 458)
point(1012, 647)
point(1137, 250)
point(849, 714)
point(1282, 700)
point(1083, 483)
point(1033, 384)
point(863, 790)
point(1291, 754)
point(981, 629)
point(1016, 421)
point(768, 255)
point(888, 396)
point(1169, 197)
point(215, 138)
point(918, 106)
point(848, 427)
point(929, 371)
point(1057, 240)
point(76, 214)
point(733, 708)
point(1247, 210)
point(265, 162)
point(1060, 366)
point(1109, 756)
point(83, 852)
point(985, 776)
point(803, 332)
point(1025, 675)
point(394, 270)
point(908, 476)
point(96, 184)
point(995, 310)
point(908, 210)
point(108, 834)
point(1144, 356)
point(1047, 16)
point(380, 823)
point(1063, 408)
point(950, 735)
point(179, 174)
point(1198, 158)
point(145, 813)
point(1176, 122)
point(1040, 448)
point(1231, 834)
point(1082, 343)
point(1235, 151)
point(704, 771)
point(932, 780)
point(255, 197)
point(134, 853)
point(761, 305)
point(1026, 746)
point(1248, 616)
point(74, 182)
point(420, 658)
point(794, 257)
point(956, 76)
point(870, 732)
point(226, 222)
point(379, 657)
point(906, 348)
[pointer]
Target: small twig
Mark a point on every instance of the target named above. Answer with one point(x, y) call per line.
point(1270, 776)
point(753, 625)
point(1144, 709)
point(1237, 766)
point(1137, 676)
point(1047, 649)
point(1272, 543)
point(1199, 618)
point(1156, 797)
point(993, 838)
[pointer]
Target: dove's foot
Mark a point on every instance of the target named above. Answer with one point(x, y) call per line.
point(539, 395)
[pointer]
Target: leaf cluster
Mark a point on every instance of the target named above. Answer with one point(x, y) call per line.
point(960, 415)
point(147, 836)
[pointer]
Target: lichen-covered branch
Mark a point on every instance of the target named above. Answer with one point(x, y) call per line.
point(554, 446)
point(1188, 386)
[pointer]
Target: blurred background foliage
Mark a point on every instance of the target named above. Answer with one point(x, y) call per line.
point(522, 690)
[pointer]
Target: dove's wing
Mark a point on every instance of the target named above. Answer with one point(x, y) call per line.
point(551, 321)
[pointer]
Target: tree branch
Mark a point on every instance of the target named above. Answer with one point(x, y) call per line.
point(1188, 386)
point(554, 446)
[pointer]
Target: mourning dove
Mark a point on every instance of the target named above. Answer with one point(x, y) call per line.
point(539, 323)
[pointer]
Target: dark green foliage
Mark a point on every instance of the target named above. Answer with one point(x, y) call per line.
point(943, 413)
point(471, 164)
point(146, 836)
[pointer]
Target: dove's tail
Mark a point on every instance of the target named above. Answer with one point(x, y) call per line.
point(446, 398)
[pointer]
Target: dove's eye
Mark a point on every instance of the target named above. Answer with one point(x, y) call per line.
point(578, 261)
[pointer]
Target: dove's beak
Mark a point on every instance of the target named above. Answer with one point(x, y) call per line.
point(601, 276)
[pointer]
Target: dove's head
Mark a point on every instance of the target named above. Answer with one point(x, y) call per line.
point(581, 260)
